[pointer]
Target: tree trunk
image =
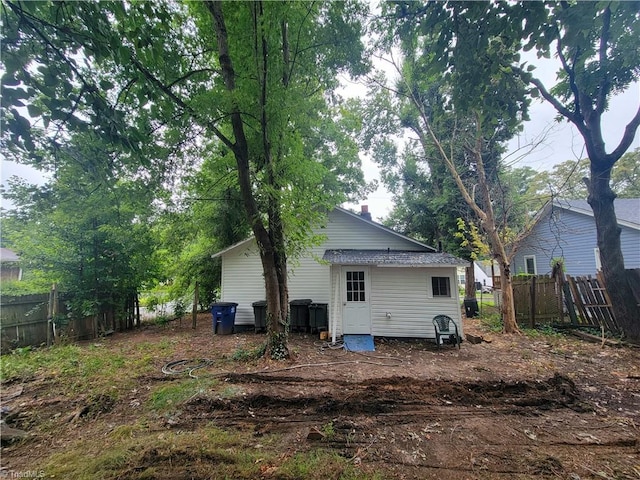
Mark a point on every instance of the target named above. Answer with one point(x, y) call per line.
point(270, 242)
point(194, 308)
point(601, 199)
point(470, 282)
point(507, 308)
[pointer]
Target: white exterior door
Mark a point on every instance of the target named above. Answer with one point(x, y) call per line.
point(356, 291)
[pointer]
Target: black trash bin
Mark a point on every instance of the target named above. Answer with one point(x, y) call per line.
point(224, 316)
point(260, 315)
point(470, 307)
point(318, 319)
point(300, 314)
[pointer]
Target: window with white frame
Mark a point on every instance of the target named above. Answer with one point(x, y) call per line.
point(441, 286)
point(530, 267)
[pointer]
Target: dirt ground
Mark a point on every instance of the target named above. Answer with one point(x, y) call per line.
point(516, 407)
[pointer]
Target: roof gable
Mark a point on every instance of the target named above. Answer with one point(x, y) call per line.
point(8, 255)
point(358, 220)
point(627, 210)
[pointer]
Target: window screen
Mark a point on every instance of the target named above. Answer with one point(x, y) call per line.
point(530, 265)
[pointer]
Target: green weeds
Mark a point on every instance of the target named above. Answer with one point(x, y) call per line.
point(492, 322)
point(207, 452)
point(244, 354)
point(168, 397)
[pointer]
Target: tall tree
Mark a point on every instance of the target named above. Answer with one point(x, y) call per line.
point(460, 136)
point(596, 44)
point(478, 46)
point(251, 79)
point(87, 230)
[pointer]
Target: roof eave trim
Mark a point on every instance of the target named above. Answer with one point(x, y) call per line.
point(235, 245)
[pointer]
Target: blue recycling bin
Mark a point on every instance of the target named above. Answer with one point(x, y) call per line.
point(224, 317)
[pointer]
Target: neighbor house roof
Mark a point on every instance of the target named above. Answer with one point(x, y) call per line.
point(392, 258)
point(627, 210)
point(8, 255)
point(355, 216)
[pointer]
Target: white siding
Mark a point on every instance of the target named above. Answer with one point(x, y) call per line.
point(403, 290)
point(405, 294)
point(242, 280)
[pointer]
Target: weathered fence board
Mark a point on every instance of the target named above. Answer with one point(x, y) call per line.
point(536, 299)
point(25, 321)
point(593, 303)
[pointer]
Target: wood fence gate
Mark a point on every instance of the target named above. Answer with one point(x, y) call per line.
point(592, 303)
point(537, 299)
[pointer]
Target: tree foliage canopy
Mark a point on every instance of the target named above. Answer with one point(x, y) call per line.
point(179, 83)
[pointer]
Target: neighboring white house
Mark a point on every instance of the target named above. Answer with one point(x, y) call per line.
point(9, 265)
point(374, 280)
point(480, 269)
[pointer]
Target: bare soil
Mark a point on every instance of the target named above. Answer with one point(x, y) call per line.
point(518, 407)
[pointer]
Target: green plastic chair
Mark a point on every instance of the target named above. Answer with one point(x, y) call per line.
point(445, 327)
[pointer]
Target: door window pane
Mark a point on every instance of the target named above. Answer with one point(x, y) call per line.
point(355, 286)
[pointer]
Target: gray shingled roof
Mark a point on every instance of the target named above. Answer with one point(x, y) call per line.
point(8, 255)
point(392, 257)
point(627, 209)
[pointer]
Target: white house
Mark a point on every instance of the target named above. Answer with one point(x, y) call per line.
point(374, 280)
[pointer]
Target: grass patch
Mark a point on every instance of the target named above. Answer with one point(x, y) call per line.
point(167, 397)
point(95, 368)
point(208, 452)
point(320, 464)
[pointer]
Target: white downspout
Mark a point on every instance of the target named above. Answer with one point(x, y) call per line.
point(336, 306)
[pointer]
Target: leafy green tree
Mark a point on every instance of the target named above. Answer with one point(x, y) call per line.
point(211, 218)
point(251, 80)
point(567, 179)
point(461, 140)
point(86, 231)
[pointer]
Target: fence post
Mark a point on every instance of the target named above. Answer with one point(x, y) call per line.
point(137, 300)
point(194, 310)
point(532, 313)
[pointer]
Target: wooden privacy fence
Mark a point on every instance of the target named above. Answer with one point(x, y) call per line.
point(30, 320)
point(537, 299)
point(581, 301)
